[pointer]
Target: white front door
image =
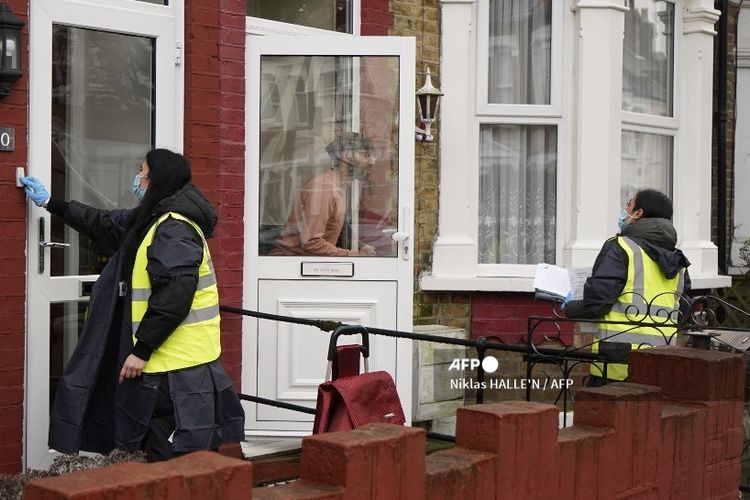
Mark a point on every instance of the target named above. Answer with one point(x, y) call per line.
point(98, 70)
point(324, 241)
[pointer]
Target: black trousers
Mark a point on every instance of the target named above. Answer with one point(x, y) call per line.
point(594, 381)
point(157, 444)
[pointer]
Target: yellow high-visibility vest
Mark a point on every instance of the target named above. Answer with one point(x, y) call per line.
point(648, 297)
point(197, 339)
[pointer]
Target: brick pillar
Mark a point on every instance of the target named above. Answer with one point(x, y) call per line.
point(682, 453)
point(523, 435)
point(711, 381)
point(376, 461)
point(461, 473)
point(13, 113)
point(586, 461)
point(215, 144)
point(634, 413)
point(198, 475)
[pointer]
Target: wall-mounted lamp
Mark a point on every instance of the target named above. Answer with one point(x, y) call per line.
point(10, 48)
point(428, 99)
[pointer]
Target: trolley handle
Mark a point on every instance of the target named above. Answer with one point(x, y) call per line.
point(349, 330)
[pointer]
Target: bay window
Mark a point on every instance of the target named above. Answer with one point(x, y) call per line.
point(566, 119)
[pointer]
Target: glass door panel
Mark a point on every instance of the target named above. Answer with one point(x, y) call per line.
point(310, 203)
point(65, 324)
point(102, 125)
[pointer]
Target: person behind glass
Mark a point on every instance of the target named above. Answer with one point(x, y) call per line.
point(145, 373)
point(639, 275)
point(319, 213)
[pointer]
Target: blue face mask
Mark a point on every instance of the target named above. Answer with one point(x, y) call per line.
point(138, 191)
point(622, 221)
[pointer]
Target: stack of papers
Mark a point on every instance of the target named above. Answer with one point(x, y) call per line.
point(554, 283)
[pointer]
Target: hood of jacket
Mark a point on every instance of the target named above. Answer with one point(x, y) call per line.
point(190, 202)
point(658, 238)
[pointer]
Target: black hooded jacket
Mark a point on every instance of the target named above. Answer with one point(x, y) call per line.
point(173, 257)
point(657, 237)
point(91, 411)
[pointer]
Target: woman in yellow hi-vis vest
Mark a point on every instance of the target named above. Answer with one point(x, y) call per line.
point(638, 276)
point(145, 373)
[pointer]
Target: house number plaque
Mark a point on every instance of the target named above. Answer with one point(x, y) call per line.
point(7, 139)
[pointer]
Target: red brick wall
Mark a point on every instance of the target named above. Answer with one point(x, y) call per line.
point(215, 143)
point(13, 113)
point(376, 17)
point(505, 316)
point(680, 439)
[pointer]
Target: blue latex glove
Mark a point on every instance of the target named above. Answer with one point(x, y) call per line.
point(34, 190)
point(568, 299)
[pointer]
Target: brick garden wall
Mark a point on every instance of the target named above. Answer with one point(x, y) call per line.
point(215, 144)
point(505, 317)
point(13, 113)
point(675, 433)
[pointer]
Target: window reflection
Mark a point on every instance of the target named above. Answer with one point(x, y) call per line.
point(648, 58)
point(102, 126)
point(334, 15)
point(328, 160)
point(646, 163)
point(66, 322)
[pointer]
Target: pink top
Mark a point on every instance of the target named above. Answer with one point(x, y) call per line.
point(316, 219)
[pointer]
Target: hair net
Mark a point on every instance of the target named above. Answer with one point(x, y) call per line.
point(348, 141)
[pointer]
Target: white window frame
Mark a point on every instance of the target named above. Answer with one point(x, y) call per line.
point(484, 107)
point(664, 125)
point(516, 270)
point(460, 269)
point(517, 114)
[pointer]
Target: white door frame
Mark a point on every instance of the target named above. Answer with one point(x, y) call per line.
point(373, 268)
point(165, 24)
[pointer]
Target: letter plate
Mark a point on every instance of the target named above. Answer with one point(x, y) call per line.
point(339, 269)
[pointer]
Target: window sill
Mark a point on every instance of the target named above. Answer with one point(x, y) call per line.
point(526, 284)
point(479, 283)
point(706, 281)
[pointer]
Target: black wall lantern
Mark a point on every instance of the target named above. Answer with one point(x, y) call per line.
point(10, 48)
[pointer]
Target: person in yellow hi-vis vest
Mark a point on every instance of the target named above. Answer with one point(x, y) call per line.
point(146, 374)
point(639, 276)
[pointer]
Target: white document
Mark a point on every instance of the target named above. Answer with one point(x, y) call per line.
point(578, 277)
point(553, 282)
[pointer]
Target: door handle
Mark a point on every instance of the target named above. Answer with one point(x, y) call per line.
point(402, 237)
point(46, 244)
